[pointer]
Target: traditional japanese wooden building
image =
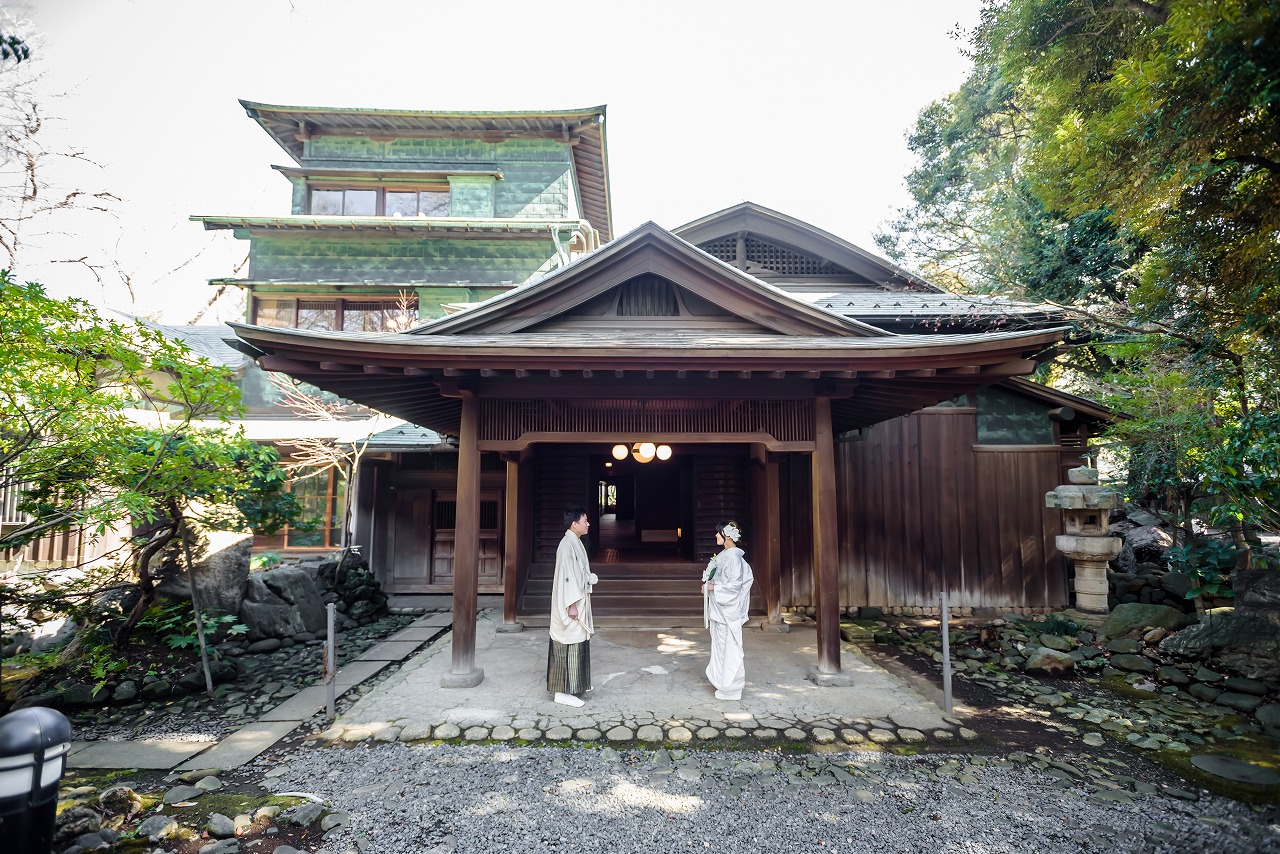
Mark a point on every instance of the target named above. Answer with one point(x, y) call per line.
point(871, 432)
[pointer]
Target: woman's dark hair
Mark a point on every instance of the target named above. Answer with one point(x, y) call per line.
point(572, 515)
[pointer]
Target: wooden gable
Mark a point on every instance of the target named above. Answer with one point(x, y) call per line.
point(649, 280)
point(779, 249)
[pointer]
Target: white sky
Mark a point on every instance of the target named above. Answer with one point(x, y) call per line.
point(800, 106)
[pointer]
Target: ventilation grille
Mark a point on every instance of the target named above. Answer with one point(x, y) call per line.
point(726, 249)
point(783, 261)
point(648, 296)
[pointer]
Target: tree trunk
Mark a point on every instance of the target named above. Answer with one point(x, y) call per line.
point(146, 585)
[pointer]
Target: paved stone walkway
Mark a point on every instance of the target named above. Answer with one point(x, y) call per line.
point(247, 742)
point(649, 687)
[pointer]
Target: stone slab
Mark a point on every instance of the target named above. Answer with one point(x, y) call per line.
point(241, 746)
point(442, 621)
point(151, 753)
point(299, 707)
point(358, 671)
point(397, 650)
point(421, 634)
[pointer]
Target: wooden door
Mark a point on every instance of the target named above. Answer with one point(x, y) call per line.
point(444, 515)
point(411, 544)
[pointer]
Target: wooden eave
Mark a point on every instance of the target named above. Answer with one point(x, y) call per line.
point(792, 233)
point(583, 130)
point(647, 249)
point(418, 378)
point(319, 173)
point(389, 225)
point(1082, 405)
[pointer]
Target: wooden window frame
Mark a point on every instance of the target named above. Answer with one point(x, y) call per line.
point(380, 201)
point(339, 306)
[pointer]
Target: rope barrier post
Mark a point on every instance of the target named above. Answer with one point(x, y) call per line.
point(946, 655)
point(330, 663)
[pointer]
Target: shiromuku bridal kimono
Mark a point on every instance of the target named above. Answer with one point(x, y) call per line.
point(724, 612)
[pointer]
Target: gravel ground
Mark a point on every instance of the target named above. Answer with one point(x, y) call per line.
point(444, 798)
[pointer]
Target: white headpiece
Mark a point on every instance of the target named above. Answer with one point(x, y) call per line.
point(731, 532)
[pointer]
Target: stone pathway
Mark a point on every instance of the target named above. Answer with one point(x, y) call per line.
point(649, 689)
point(246, 743)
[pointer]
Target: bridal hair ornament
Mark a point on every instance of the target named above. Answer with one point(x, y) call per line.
point(731, 531)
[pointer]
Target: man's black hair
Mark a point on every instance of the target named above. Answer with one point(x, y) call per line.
point(572, 515)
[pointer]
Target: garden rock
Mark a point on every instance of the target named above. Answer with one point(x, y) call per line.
point(120, 800)
point(222, 565)
point(303, 814)
point(83, 694)
point(281, 602)
point(157, 690)
point(1177, 584)
point(1257, 594)
point(125, 692)
point(1051, 662)
point(220, 826)
point(1257, 641)
point(1147, 543)
point(158, 827)
point(1132, 663)
point(1131, 616)
point(75, 822)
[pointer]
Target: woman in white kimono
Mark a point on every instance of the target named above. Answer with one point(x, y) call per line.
point(726, 595)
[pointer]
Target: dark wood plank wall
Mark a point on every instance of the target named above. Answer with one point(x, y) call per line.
point(561, 480)
point(922, 506)
point(720, 495)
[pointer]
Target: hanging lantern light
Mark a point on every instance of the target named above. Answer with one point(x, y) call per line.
point(664, 452)
point(643, 452)
point(619, 452)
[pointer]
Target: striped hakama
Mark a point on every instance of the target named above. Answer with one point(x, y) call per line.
point(568, 667)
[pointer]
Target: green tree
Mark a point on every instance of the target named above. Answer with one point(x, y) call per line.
point(1123, 160)
point(98, 432)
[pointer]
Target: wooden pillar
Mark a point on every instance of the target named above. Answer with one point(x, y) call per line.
point(826, 550)
point(463, 672)
point(515, 544)
point(767, 537)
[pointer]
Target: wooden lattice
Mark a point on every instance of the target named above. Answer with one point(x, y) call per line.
point(785, 262)
point(784, 420)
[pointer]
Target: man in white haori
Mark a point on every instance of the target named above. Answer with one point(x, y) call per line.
point(569, 651)
point(726, 598)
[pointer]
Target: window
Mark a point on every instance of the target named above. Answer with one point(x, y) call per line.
point(381, 201)
point(421, 203)
point(385, 314)
point(322, 497)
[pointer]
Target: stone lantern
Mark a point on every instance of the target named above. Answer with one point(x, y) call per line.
point(1085, 508)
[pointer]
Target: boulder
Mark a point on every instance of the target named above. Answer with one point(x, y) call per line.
point(1148, 543)
point(1050, 662)
point(222, 565)
point(281, 602)
point(1133, 615)
point(1256, 639)
point(1177, 584)
point(1257, 594)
